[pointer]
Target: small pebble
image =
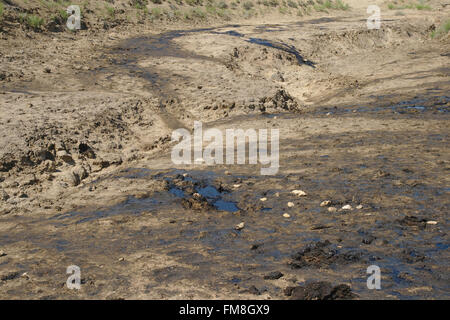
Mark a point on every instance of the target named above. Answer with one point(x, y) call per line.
point(299, 193)
point(325, 203)
point(263, 199)
point(286, 215)
point(332, 209)
point(347, 207)
point(359, 207)
point(277, 194)
point(121, 259)
point(431, 222)
point(236, 186)
point(240, 226)
point(290, 204)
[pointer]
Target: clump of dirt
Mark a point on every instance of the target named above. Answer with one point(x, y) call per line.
point(412, 221)
point(281, 100)
point(320, 290)
point(322, 255)
point(196, 202)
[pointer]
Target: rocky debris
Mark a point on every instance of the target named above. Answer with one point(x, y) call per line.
point(2, 253)
point(286, 215)
point(196, 202)
point(368, 239)
point(322, 254)
point(347, 207)
point(254, 290)
point(64, 156)
point(290, 204)
point(299, 193)
point(273, 275)
point(240, 226)
point(431, 222)
point(320, 290)
point(325, 203)
point(281, 100)
point(3, 195)
point(412, 221)
point(332, 209)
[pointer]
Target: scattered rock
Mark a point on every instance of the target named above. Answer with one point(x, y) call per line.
point(347, 207)
point(286, 215)
point(3, 195)
point(254, 290)
point(64, 156)
point(320, 290)
point(290, 204)
point(273, 275)
point(359, 207)
point(412, 221)
point(263, 199)
point(322, 254)
point(325, 203)
point(240, 226)
point(332, 209)
point(299, 193)
point(368, 239)
point(432, 222)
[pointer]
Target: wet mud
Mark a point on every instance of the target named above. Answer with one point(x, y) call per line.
point(92, 183)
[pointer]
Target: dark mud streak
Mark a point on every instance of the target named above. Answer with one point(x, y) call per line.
point(270, 44)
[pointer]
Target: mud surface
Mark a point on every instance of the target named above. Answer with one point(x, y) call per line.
point(86, 176)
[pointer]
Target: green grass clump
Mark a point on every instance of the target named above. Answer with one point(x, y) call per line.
point(194, 2)
point(140, 4)
point(418, 5)
point(442, 30)
point(34, 22)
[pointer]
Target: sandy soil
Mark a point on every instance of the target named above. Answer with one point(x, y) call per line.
point(86, 176)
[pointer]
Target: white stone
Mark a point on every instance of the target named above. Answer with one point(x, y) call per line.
point(240, 226)
point(299, 193)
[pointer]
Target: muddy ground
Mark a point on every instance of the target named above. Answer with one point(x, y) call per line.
point(86, 176)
